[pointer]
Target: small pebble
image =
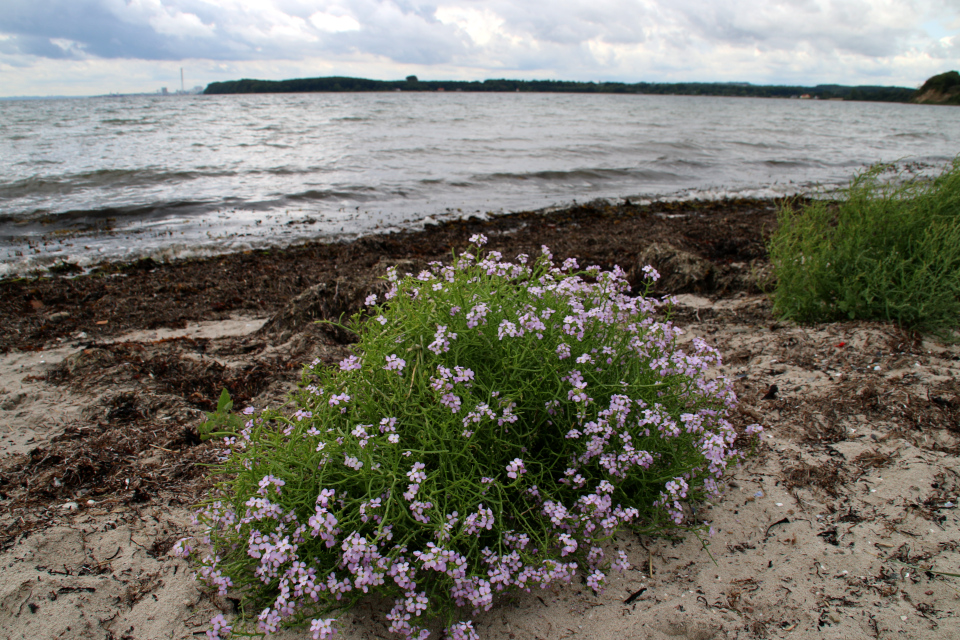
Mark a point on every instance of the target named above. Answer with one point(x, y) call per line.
point(70, 506)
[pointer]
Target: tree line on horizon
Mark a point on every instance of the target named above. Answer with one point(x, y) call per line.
point(338, 84)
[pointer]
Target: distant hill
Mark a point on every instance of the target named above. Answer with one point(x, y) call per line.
point(733, 89)
point(940, 89)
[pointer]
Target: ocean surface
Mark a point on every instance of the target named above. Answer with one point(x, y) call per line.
point(88, 180)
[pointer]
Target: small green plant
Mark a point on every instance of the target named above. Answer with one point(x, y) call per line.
point(497, 424)
point(222, 421)
point(887, 251)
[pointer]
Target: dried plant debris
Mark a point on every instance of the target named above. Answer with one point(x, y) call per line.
point(825, 476)
point(173, 366)
point(137, 441)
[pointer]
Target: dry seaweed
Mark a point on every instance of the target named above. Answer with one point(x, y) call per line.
point(147, 294)
point(826, 476)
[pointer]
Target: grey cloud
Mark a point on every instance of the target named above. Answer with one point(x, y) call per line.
point(543, 34)
point(401, 31)
point(87, 22)
point(105, 34)
point(788, 24)
point(36, 46)
point(571, 22)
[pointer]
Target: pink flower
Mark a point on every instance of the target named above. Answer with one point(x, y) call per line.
point(322, 628)
point(515, 468)
point(351, 363)
point(395, 363)
point(219, 629)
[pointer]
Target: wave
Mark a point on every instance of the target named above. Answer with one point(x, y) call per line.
point(102, 178)
point(38, 162)
point(753, 145)
point(352, 193)
point(912, 135)
point(125, 122)
point(583, 175)
point(83, 217)
point(285, 171)
point(683, 163)
point(789, 164)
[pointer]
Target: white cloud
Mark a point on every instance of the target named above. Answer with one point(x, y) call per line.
point(66, 45)
point(181, 25)
point(481, 25)
point(334, 23)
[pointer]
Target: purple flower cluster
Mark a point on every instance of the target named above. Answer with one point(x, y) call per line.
point(444, 385)
point(395, 363)
point(535, 413)
point(218, 628)
point(441, 340)
point(515, 469)
point(322, 628)
point(577, 393)
point(351, 363)
point(477, 315)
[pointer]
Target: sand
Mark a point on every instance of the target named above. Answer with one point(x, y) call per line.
point(832, 529)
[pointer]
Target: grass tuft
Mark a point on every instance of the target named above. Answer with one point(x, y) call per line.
point(887, 251)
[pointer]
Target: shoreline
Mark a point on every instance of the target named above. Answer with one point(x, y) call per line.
point(271, 236)
point(109, 298)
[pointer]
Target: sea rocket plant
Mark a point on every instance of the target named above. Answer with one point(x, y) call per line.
point(497, 424)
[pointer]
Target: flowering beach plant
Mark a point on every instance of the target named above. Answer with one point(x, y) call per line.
point(497, 424)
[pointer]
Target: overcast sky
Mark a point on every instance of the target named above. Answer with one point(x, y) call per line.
point(89, 47)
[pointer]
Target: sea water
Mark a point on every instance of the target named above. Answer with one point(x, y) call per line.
point(117, 178)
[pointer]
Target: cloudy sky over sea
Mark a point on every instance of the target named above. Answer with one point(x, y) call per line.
point(90, 47)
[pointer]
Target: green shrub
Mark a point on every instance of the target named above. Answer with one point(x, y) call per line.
point(886, 251)
point(496, 425)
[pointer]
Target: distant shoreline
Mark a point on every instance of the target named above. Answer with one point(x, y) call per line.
point(339, 84)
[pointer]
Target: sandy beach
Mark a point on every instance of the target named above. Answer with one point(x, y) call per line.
point(840, 526)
